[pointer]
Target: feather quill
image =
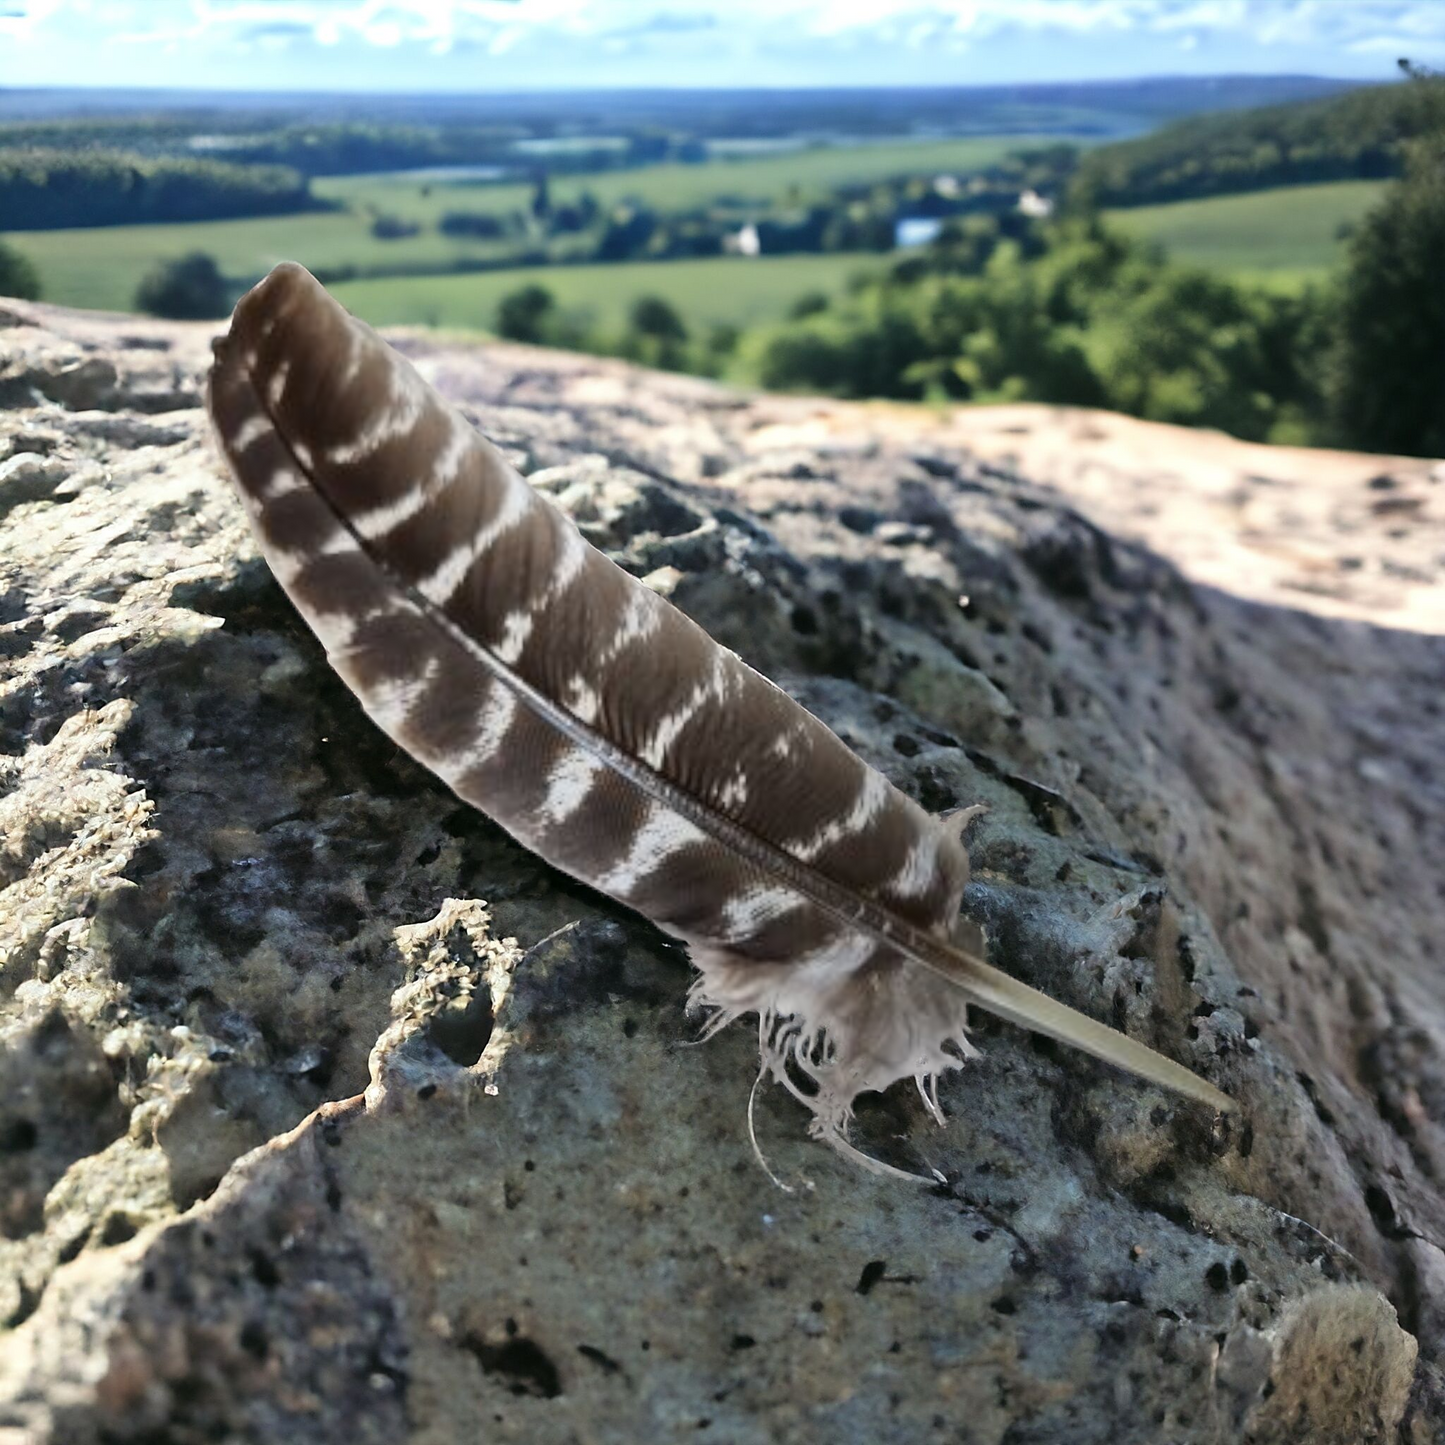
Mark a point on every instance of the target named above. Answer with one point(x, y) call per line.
point(603, 728)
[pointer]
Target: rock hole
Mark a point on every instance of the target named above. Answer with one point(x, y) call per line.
point(872, 1272)
point(263, 1270)
point(1246, 1141)
point(859, 519)
point(1382, 1210)
point(521, 1364)
point(254, 1340)
point(461, 1031)
point(117, 1229)
point(18, 1137)
point(805, 621)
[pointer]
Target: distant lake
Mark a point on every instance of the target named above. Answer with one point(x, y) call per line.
point(442, 175)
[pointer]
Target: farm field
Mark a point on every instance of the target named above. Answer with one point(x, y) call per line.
point(101, 267)
point(1282, 238)
point(732, 290)
point(674, 187)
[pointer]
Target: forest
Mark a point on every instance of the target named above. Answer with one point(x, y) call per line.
point(1363, 134)
point(43, 190)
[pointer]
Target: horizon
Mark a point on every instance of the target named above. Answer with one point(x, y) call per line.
point(441, 47)
point(662, 88)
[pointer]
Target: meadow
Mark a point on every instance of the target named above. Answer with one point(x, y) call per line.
point(806, 173)
point(719, 290)
point(101, 267)
point(1283, 238)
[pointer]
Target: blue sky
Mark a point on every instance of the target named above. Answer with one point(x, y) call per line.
point(469, 45)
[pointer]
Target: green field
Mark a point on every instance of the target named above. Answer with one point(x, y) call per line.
point(102, 267)
point(1283, 238)
point(738, 291)
point(677, 187)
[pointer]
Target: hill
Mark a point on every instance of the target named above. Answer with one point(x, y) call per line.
point(1360, 135)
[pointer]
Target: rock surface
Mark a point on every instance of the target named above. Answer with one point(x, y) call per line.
point(328, 1114)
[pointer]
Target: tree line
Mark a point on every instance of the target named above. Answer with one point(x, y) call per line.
point(1364, 134)
point(339, 148)
point(43, 190)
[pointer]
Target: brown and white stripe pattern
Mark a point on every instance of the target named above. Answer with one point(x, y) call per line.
point(594, 721)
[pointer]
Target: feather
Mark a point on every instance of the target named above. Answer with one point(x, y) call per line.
point(604, 729)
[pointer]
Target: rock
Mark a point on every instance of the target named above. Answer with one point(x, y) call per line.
point(329, 1114)
point(29, 477)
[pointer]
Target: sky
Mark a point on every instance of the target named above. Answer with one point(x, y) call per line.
point(507, 45)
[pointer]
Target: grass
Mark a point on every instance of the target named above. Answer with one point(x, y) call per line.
point(731, 290)
point(677, 187)
point(101, 267)
point(1283, 238)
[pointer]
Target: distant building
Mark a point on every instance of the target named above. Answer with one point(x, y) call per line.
point(1033, 204)
point(947, 187)
point(916, 230)
point(745, 242)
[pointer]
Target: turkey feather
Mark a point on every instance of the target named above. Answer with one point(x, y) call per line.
point(602, 727)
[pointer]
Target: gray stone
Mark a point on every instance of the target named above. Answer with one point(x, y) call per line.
point(329, 1114)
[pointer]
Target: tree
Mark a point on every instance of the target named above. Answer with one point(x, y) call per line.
point(1187, 350)
point(392, 228)
point(654, 316)
point(810, 303)
point(628, 231)
point(1387, 375)
point(870, 347)
point(189, 289)
point(656, 335)
point(523, 314)
point(17, 276)
point(481, 224)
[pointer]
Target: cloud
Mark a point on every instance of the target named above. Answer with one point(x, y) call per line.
point(788, 32)
point(666, 22)
point(391, 22)
point(20, 21)
point(278, 30)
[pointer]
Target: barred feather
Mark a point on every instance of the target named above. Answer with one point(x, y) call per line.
point(599, 725)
